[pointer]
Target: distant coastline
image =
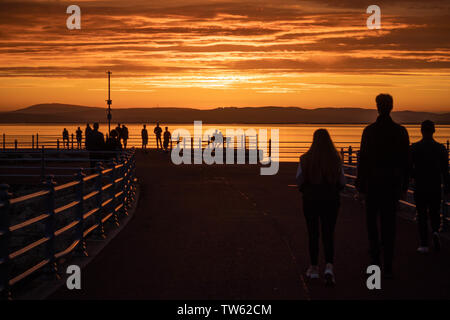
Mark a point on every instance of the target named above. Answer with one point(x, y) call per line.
point(63, 113)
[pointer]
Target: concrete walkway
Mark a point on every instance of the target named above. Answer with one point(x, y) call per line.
point(225, 232)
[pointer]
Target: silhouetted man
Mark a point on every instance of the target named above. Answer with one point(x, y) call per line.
point(144, 135)
point(124, 136)
point(87, 136)
point(383, 179)
point(79, 137)
point(96, 144)
point(429, 171)
point(158, 131)
point(167, 140)
point(65, 135)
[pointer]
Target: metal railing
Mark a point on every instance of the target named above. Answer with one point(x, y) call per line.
point(408, 202)
point(87, 202)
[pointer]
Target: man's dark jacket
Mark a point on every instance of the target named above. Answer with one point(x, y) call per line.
point(429, 166)
point(384, 159)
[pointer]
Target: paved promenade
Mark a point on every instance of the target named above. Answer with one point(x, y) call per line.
point(225, 232)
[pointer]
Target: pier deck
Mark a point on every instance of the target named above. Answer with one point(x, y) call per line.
point(225, 232)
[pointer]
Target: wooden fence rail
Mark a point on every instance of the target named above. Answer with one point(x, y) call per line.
point(112, 195)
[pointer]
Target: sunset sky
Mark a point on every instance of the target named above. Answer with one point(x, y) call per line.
point(207, 53)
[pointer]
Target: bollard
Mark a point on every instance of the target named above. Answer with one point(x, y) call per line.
point(50, 223)
point(5, 237)
point(79, 234)
point(100, 233)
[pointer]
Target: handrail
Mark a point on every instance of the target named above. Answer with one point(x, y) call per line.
point(119, 179)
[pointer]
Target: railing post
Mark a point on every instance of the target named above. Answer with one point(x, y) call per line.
point(99, 199)
point(72, 141)
point(124, 184)
point(43, 163)
point(350, 155)
point(57, 144)
point(133, 175)
point(127, 202)
point(15, 144)
point(81, 247)
point(270, 148)
point(4, 142)
point(52, 268)
point(37, 140)
point(32, 142)
point(113, 192)
point(357, 158)
point(5, 236)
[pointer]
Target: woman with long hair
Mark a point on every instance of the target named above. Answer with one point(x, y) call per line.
point(320, 178)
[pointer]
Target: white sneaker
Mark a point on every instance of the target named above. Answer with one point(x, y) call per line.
point(313, 272)
point(423, 250)
point(329, 275)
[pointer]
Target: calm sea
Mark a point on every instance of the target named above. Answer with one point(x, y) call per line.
point(294, 139)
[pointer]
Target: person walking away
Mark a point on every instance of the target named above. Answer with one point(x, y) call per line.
point(429, 172)
point(112, 145)
point(119, 132)
point(144, 135)
point(79, 135)
point(87, 135)
point(158, 131)
point(167, 140)
point(96, 144)
point(65, 135)
point(124, 136)
point(320, 178)
point(382, 180)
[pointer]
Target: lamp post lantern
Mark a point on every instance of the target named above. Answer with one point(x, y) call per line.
point(109, 102)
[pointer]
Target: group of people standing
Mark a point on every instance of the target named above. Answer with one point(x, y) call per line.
point(159, 143)
point(118, 138)
point(387, 163)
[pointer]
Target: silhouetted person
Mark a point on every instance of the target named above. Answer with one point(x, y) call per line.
point(158, 131)
point(144, 135)
point(124, 136)
point(383, 179)
point(119, 130)
point(97, 143)
point(167, 140)
point(112, 144)
point(87, 136)
point(429, 170)
point(320, 178)
point(217, 138)
point(65, 135)
point(79, 134)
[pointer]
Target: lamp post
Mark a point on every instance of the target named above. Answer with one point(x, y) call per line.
point(109, 101)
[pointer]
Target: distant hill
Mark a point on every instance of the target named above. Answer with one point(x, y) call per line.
point(63, 113)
